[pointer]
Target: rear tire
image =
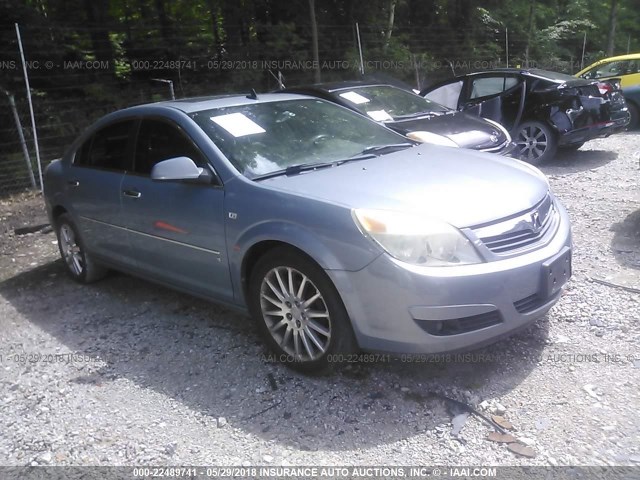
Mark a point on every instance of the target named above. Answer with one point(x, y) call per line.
point(535, 143)
point(299, 311)
point(80, 266)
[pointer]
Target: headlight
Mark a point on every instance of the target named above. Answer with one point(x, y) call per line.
point(432, 138)
point(417, 240)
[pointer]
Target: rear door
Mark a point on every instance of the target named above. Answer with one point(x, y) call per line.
point(176, 228)
point(93, 186)
point(499, 97)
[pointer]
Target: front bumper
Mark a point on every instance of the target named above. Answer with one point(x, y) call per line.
point(399, 308)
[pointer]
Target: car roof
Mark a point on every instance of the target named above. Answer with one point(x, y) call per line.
point(536, 72)
point(195, 104)
point(330, 87)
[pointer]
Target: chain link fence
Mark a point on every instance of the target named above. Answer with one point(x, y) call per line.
point(70, 94)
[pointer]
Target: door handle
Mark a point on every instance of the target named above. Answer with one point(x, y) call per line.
point(131, 193)
point(73, 183)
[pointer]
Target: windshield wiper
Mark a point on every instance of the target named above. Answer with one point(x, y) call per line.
point(382, 148)
point(431, 113)
point(369, 152)
point(373, 152)
point(293, 170)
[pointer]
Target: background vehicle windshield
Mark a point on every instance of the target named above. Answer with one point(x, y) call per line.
point(386, 103)
point(265, 137)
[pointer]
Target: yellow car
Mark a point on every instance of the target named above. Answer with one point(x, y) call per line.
point(627, 69)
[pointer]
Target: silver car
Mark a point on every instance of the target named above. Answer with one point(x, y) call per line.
point(333, 232)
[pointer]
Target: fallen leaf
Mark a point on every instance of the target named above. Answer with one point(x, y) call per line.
point(501, 437)
point(503, 422)
point(521, 449)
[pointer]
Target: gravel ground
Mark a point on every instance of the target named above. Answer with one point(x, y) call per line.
point(160, 378)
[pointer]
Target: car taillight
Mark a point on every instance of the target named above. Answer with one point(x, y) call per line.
point(605, 88)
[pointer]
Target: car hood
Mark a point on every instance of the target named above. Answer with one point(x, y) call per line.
point(461, 187)
point(465, 130)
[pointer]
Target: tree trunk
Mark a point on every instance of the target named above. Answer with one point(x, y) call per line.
point(532, 11)
point(97, 21)
point(611, 34)
point(314, 39)
point(213, 11)
point(392, 15)
point(165, 25)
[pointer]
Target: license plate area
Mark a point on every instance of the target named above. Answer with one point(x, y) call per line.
point(556, 272)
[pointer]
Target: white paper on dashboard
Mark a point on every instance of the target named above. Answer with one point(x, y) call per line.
point(380, 115)
point(354, 97)
point(238, 125)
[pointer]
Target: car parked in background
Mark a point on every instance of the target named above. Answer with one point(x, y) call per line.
point(413, 116)
point(627, 69)
point(542, 110)
point(332, 231)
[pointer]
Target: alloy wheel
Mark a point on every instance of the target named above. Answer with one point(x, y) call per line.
point(71, 250)
point(532, 143)
point(295, 313)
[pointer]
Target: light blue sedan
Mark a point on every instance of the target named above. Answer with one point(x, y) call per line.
point(335, 233)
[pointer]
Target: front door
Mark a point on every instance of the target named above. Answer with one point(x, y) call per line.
point(176, 228)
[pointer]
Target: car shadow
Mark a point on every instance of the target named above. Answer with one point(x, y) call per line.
point(212, 361)
point(575, 161)
point(626, 240)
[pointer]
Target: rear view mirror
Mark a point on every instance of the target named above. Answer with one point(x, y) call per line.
point(179, 168)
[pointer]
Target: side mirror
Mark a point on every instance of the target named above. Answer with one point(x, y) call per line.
point(179, 168)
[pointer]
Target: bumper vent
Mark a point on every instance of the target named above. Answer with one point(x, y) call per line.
point(528, 304)
point(457, 326)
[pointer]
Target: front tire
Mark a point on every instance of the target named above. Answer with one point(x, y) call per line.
point(299, 311)
point(535, 143)
point(80, 266)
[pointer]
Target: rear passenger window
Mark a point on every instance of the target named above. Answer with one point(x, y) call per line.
point(108, 148)
point(487, 86)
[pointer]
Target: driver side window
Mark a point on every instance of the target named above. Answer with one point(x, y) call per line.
point(160, 140)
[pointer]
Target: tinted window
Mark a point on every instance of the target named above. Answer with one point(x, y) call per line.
point(107, 148)
point(159, 140)
point(486, 86)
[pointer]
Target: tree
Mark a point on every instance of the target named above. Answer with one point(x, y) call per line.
point(611, 35)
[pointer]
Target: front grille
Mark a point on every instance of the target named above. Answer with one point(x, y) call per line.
point(524, 231)
point(457, 326)
point(528, 304)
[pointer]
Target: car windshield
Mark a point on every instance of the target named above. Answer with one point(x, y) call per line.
point(262, 138)
point(385, 103)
